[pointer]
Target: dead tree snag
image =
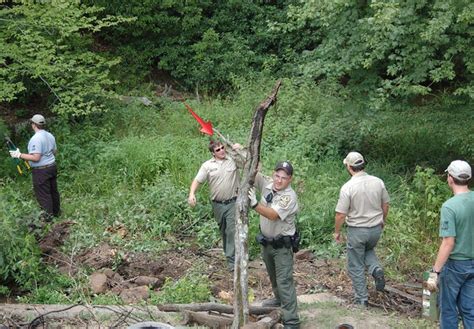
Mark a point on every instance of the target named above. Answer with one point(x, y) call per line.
point(241, 306)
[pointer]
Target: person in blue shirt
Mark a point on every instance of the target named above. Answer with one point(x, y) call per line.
point(41, 156)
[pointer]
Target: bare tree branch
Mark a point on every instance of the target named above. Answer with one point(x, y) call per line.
point(241, 307)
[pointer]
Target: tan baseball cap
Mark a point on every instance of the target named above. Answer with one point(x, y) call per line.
point(354, 159)
point(38, 119)
point(459, 169)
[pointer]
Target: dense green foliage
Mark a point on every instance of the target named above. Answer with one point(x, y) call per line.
point(383, 50)
point(133, 166)
point(47, 57)
point(203, 44)
point(62, 54)
point(391, 79)
point(390, 48)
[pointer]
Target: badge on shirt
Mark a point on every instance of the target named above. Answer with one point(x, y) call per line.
point(284, 201)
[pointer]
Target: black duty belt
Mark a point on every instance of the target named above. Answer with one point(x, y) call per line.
point(44, 167)
point(280, 241)
point(225, 201)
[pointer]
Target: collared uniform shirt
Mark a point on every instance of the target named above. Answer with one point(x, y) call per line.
point(361, 199)
point(285, 203)
point(222, 176)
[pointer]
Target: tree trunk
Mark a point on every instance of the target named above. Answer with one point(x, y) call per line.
point(241, 306)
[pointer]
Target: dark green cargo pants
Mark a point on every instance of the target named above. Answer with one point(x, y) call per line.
point(225, 216)
point(279, 264)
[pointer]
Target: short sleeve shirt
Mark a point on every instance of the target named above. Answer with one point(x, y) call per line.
point(457, 220)
point(222, 176)
point(284, 202)
point(43, 143)
point(361, 199)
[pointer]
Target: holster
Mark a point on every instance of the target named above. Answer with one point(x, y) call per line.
point(290, 242)
point(295, 241)
point(261, 239)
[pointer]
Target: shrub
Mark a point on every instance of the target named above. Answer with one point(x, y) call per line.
point(19, 253)
point(410, 238)
point(47, 53)
point(192, 288)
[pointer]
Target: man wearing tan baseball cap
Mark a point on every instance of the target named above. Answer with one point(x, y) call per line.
point(363, 205)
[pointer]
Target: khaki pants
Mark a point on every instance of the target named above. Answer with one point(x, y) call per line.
point(361, 242)
point(279, 264)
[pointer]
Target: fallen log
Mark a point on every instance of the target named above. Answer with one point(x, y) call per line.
point(211, 321)
point(102, 316)
point(212, 307)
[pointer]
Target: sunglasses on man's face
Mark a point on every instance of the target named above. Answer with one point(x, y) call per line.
point(218, 149)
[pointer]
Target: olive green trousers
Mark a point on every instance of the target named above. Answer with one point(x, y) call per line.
point(279, 264)
point(225, 217)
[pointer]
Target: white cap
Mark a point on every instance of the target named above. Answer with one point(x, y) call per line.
point(38, 119)
point(354, 159)
point(460, 170)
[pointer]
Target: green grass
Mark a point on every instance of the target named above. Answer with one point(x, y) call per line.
point(133, 167)
point(331, 314)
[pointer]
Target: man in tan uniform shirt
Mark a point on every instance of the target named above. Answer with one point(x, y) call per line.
point(278, 209)
point(363, 204)
point(221, 173)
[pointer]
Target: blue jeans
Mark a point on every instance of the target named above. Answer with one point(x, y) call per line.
point(457, 294)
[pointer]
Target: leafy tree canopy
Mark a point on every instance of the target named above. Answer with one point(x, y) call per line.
point(386, 50)
point(203, 44)
point(389, 48)
point(47, 52)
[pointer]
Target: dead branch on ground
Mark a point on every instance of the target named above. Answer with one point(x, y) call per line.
point(212, 307)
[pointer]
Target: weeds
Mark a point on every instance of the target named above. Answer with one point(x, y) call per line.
point(132, 168)
point(191, 288)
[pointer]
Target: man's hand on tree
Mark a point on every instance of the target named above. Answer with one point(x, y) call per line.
point(253, 197)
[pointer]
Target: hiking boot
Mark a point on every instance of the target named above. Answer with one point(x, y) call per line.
point(379, 279)
point(272, 302)
point(363, 304)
